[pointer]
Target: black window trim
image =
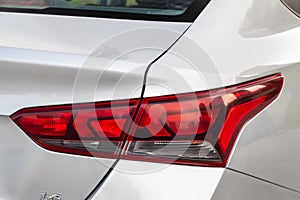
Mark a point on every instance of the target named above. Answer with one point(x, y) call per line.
point(188, 16)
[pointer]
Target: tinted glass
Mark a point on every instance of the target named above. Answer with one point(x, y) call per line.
point(148, 7)
point(294, 5)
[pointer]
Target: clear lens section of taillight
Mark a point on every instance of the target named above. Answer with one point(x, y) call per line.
point(197, 128)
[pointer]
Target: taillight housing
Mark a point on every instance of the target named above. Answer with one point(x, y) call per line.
point(198, 128)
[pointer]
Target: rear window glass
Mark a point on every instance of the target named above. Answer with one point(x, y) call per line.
point(293, 5)
point(145, 7)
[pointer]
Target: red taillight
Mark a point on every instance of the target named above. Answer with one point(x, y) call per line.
point(84, 129)
point(197, 128)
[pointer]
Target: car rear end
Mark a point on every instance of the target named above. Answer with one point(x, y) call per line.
point(172, 100)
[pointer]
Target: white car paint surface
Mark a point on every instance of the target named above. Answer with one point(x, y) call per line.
point(56, 60)
point(50, 60)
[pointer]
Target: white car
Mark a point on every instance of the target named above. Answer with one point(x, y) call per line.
point(149, 100)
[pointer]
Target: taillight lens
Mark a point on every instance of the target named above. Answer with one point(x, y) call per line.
point(196, 128)
point(84, 129)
